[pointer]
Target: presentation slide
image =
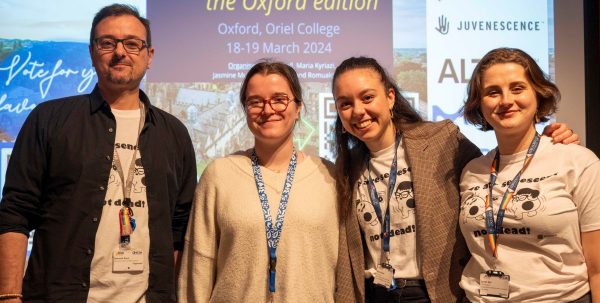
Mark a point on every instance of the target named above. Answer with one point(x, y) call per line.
point(204, 49)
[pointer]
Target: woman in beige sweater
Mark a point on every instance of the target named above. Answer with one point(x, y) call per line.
point(264, 225)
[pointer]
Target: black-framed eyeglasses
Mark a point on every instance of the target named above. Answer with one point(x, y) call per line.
point(278, 103)
point(402, 194)
point(131, 45)
point(520, 197)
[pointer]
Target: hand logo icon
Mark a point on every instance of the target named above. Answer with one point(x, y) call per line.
point(443, 25)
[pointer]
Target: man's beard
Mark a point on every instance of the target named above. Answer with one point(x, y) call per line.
point(120, 79)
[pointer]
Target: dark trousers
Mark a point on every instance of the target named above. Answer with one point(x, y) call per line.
point(408, 294)
point(587, 298)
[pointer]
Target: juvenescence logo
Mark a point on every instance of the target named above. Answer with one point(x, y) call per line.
point(499, 25)
point(443, 25)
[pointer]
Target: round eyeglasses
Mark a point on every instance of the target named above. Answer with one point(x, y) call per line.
point(278, 103)
point(109, 44)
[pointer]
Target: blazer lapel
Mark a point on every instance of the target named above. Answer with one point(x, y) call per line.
point(355, 248)
point(420, 162)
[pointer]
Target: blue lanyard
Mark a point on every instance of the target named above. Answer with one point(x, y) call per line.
point(491, 225)
point(273, 233)
point(385, 223)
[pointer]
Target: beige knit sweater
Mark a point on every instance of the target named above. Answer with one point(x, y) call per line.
point(225, 257)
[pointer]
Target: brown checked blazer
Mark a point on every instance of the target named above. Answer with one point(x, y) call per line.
point(436, 153)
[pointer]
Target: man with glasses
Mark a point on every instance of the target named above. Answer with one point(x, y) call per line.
point(106, 180)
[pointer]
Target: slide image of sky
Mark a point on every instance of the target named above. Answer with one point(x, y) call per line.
point(57, 20)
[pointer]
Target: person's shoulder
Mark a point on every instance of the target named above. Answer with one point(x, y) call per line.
point(171, 128)
point(428, 129)
point(57, 111)
point(574, 152)
point(481, 164)
point(238, 158)
point(320, 161)
point(230, 164)
point(316, 165)
point(167, 118)
point(69, 102)
point(444, 127)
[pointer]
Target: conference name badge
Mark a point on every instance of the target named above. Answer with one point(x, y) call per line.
point(494, 284)
point(128, 260)
point(384, 275)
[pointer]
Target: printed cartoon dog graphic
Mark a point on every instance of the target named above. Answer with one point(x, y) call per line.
point(525, 201)
point(365, 209)
point(473, 207)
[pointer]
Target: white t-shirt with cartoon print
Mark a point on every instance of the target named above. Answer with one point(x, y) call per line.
point(106, 285)
point(403, 242)
point(557, 198)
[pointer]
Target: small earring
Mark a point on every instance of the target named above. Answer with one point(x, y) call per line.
point(391, 113)
point(343, 130)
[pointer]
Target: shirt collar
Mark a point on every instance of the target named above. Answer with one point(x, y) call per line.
point(98, 102)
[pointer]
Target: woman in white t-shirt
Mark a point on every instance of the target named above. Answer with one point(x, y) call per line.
point(544, 246)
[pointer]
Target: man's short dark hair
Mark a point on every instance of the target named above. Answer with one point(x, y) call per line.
point(119, 10)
